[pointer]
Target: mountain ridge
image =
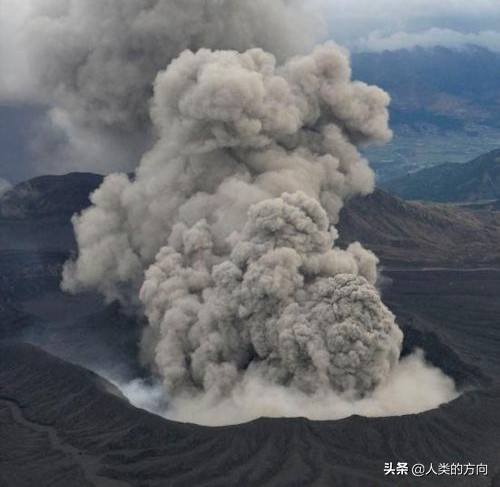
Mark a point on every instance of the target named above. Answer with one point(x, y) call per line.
point(476, 181)
point(397, 230)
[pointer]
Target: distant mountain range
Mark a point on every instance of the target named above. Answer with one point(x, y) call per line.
point(477, 181)
point(445, 105)
point(444, 87)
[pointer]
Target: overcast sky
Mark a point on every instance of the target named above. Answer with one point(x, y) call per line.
point(356, 18)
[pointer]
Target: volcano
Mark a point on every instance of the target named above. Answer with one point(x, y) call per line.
point(62, 424)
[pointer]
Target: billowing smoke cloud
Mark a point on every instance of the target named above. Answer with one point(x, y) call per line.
point(94, 62)
point(285, 306)
point(224, 236)
point(99, 58)
point(234, 130)
point(15, 82)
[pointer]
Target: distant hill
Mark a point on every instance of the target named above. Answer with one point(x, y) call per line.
point(45, 196)
point(403, 232)
point(36, 214)
point(472, 182)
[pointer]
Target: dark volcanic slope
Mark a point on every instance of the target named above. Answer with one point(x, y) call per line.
point(474, 181)
point(61, 427)
point(45, 196)
point(406, 233)
point(35, 215)
point(453, 314)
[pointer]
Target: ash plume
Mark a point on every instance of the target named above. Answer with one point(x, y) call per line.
point(224, 237)
point(234, 129)
point(284, 306)
point(94, 62)
point(241, 136)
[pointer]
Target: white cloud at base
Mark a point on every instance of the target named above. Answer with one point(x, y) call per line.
point(413, 387)
point(143, 394)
